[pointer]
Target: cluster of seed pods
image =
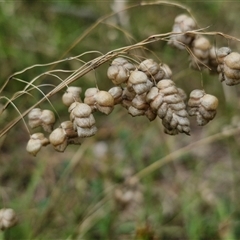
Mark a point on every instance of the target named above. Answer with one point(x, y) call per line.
point(150, 91)
point(203, 53)
point(146, 89)
point(229, 66)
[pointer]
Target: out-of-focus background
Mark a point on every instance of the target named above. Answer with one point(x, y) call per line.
point(91, 191)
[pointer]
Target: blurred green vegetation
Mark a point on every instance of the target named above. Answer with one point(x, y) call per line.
point(88, 192)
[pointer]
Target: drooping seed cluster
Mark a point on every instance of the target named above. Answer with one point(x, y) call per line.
point(64, 135)
point(203, 53)
point(8, 218)
point(36, 142)
point(181, 37)
point(167, 103)
point(150, 91)
point(229, 66)
point(203, 106)
point(44, 118)
point(146, 89)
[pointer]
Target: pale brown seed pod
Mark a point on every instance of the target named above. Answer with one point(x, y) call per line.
point(80, 110)
point(72, 136)
point(48, 119)
point(231, 69)
point(222, 53)
point(203, 106)
point(127, 97)
point(90, 97)
point(139, 82)
point(35, 143)
point(200, 48)
point(58, 139)
point(139, 102)
point(104, 102)
point(67, 126)
point(120, 61)
point(44, 118)
point(180, 38)
point(164, 84)
point(83, 120)
point(138, 106)
point(154, 98)
point(149, 67)
point(186, 23)
point(64, 135)
point(209, 102)
point(155, 71)
point(86, 132)
point(194, 102)
point(135, 112)
point(231, 73)
point(232, 60)
point(167, 72)
point(8, 218)
point(171, 108)
point(119, 70)
point(34, 117)
point(117, 74)
point(150, 114)
point(116, 93)
point(195, 97)
point(71, 95)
